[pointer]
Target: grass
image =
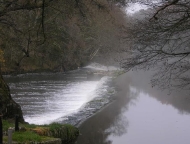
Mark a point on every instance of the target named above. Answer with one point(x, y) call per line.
point(54, 126)
point(27, 136)
point(70, 130)
point(7, 125)
point(40, 133)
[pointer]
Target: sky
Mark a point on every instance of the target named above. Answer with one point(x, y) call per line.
point(135, 7)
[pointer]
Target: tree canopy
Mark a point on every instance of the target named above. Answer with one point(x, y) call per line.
point(57, 35)
point(162, 41)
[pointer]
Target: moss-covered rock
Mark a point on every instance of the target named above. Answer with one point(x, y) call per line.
point(8, 107)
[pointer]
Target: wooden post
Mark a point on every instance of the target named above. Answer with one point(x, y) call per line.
point(1, 130)
point(16, 122)
point(10, 133)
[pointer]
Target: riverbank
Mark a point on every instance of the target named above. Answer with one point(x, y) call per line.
point(49, 92)
point(40, 134)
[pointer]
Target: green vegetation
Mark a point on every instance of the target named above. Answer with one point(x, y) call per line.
point(7, 125)
point(118, 73)
point(67, 133)
point(27, 136)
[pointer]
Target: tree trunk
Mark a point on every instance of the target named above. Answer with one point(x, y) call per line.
point(8, 107)
point(1, 131)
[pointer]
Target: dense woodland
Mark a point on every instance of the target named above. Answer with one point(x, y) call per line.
point(56, 35)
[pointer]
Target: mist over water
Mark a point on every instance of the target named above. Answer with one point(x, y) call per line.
point(97, 66)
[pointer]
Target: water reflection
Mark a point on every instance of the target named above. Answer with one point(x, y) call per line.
point(140, 114)
point(108, 121)
point(179, 99)
point(153, 122)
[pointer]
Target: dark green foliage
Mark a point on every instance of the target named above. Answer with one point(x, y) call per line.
point(66, 132)
point(26, 136)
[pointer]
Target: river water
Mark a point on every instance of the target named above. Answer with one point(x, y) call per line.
point(62, 97)
point(133, 112)
point(140, 114)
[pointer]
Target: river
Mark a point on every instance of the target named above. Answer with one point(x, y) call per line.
point(110, 110)
point(68, 97)
point(140, 114)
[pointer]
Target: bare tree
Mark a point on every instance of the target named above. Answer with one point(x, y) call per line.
point(162, 41)
point(10, 30)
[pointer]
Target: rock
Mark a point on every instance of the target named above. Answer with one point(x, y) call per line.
point(8, 107)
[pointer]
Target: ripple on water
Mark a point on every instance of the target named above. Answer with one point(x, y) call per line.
point(58, 97)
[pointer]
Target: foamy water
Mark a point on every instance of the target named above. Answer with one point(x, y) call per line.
point(47, 98)
point(97, 66)
point(64, 102)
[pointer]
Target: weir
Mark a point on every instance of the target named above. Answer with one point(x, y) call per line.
point(63, 97)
